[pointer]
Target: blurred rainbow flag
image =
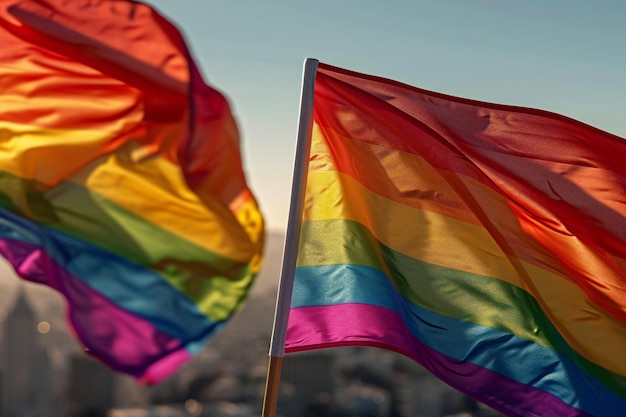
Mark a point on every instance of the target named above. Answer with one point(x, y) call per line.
point(121, 180)
point(486, 242)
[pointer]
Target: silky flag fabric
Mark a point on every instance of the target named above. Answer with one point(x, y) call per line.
point(486, 242)
point(121, 180)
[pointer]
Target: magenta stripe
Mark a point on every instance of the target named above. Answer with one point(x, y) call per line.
point(165, 366)
point(124, 341)
point(367, 325)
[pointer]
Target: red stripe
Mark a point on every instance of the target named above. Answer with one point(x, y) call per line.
point(563, 181)
point(521, 154)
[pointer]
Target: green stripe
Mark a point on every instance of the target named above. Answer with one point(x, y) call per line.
point(452, 293)
point(214, 282)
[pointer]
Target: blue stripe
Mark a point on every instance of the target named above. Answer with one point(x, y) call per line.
point(342, 284)
point(133, 288)
point(502, 352)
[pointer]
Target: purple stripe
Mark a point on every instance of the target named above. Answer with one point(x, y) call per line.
point(124, 341)
point(367, 325)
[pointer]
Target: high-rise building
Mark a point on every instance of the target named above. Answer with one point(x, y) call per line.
point(25, 366)
point(90, 387)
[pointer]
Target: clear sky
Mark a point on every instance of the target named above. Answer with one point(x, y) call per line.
point(566, 56)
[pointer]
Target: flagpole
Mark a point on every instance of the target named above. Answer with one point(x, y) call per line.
point(290, 251)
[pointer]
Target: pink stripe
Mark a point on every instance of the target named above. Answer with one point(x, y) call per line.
point(165, 367)
point(125, 342)
point(367, 325)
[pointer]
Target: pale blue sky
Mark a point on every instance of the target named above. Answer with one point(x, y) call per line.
point(564, 56)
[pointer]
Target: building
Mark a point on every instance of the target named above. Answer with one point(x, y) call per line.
point(26, 371)
point(90, 389)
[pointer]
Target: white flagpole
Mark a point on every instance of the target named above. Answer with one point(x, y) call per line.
point(290, 250)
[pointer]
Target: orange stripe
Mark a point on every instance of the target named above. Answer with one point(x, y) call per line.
point(399, 176)
point(516, 231)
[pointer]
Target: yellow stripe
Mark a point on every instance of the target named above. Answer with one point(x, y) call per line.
point(414, 232)
point(152, 188)
point(155, 190)
point(49, 155)
point(251, 219)
point(450, 243)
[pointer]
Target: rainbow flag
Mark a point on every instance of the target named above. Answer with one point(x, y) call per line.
point(121, 180)
point(486, 242)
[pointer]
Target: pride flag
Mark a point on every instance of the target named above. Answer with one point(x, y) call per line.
point(121, 181)
point(486, 242)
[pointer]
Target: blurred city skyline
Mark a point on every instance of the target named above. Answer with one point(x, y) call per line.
point(226, 379)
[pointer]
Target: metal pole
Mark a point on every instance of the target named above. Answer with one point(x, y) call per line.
point(290, 250)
